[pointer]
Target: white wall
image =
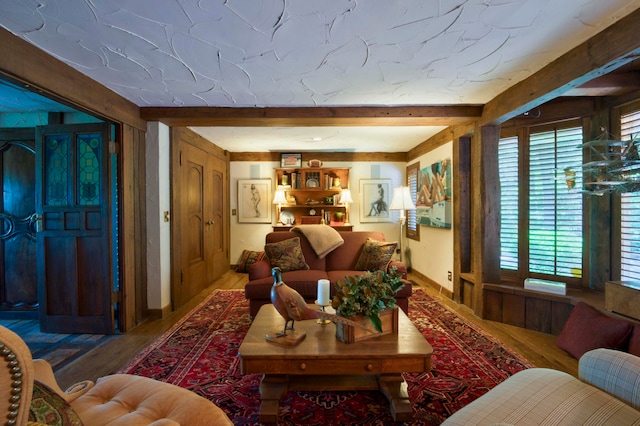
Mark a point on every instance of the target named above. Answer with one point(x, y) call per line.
point(158, 231)
point(432, 256)
point(251, 236)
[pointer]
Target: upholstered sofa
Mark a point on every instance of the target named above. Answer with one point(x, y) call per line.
point(341, 261)
point(30, 395)
point(606, 393)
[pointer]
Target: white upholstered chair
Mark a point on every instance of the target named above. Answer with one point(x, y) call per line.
point(118, 399)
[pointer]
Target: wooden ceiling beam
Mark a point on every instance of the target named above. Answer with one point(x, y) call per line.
point(608, 50)
point(429, 115)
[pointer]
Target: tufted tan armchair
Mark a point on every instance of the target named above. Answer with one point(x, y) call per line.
point(115, 400)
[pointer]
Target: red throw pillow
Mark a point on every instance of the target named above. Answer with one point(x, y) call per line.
point(587, 328)
point(634, 342)
point(248, 258)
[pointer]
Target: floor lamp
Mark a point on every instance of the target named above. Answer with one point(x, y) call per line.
point(345, 198)
point(402, 201)
point(279, 199)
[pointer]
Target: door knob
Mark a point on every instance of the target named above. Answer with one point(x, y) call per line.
point(209, 222)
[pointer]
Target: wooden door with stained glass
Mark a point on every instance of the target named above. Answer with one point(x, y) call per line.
point(75, 277)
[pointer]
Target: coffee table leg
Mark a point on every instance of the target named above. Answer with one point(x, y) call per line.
point(272, 389)
point(394, 387)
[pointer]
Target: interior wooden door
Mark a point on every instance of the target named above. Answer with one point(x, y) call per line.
point(74, 238)
point(200, 234)
point(220, 257)
point(18, 285)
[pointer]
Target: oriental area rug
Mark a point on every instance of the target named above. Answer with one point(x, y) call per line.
point(200, 353)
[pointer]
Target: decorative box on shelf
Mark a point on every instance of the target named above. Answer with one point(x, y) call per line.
point(545, 286)
point(351, 334)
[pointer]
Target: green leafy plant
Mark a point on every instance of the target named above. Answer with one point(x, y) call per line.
point(367, 294)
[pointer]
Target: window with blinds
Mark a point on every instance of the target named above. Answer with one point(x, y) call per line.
point(555, 212)
point(630, 212)
point(413, 176)
point(508, 174)
point(552, 214)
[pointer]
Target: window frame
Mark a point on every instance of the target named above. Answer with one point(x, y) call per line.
point(413, 169)
point(523, 134)
point(616, 214)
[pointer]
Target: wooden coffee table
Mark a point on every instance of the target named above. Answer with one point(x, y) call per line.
point(322, 362)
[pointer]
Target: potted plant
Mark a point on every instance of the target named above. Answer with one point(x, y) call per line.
point(372, 297)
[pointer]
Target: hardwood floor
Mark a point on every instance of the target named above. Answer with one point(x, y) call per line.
point(109, 357)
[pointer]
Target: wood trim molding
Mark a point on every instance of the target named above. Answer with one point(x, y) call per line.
point(400, 157)
point(434, 115)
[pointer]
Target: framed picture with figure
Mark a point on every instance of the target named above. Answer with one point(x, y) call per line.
point(254, 201)
point(375, 200)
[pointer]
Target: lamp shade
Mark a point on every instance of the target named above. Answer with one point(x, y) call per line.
point(402, 199)
point(345, 197)
point(279, 197)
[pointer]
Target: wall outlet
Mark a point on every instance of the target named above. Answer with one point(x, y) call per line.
point(449, 275)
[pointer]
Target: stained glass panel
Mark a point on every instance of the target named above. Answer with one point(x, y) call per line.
point(56, 169)
point(88, 159)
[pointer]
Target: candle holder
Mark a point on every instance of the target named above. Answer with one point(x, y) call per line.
point(323, 308)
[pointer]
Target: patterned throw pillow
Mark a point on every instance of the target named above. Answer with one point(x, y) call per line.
point(286, 255)
point(49, 408)
point(247, 259)
point(375, 255)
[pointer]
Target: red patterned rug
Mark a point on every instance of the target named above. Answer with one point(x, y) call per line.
point(200, 353)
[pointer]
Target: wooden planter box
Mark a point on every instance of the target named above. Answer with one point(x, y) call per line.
point(352, 334)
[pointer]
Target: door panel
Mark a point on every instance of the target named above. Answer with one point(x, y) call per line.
point(220, 259)
point(73, 245)
point(200, 235)
point(18, 284)
point(196, 247)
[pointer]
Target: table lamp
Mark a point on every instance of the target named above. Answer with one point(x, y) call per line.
point(345, 198)
point(279, 199)
point(402, 201)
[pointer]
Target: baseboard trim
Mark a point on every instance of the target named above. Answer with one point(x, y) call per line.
point(432, 283)
point(155, 314)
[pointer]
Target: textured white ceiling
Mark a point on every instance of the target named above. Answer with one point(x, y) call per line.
point(242, 53)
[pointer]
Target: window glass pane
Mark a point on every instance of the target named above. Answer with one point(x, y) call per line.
point(412, 229)
point(555, 212)
point(56, 169)
point(88, 168)
point(630, 212)
point(508, 171)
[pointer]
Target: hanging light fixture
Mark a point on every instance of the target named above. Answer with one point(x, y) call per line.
point(610, 165)
point(402, 201)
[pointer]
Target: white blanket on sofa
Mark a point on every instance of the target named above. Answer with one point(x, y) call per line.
point(322, 238)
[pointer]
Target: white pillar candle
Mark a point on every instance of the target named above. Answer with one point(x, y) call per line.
point(323, 292)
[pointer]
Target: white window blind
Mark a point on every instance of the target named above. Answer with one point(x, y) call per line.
point(412, 182)
point(555, 212)
point(630, 212)
point(508, 173)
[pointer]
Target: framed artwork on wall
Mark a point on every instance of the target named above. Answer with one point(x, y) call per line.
point(433, 203)
point(290, 160)
point(375, 199)
point(254, 200)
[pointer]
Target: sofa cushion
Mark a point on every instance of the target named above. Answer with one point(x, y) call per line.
point(310, 256)
point(375, 255)
point(286, 255)
point(345, 257)
point(587, 328)
point(304, 282)
point(49, 408)
point(540, 396)
point(248, 258)
point(634, 342)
